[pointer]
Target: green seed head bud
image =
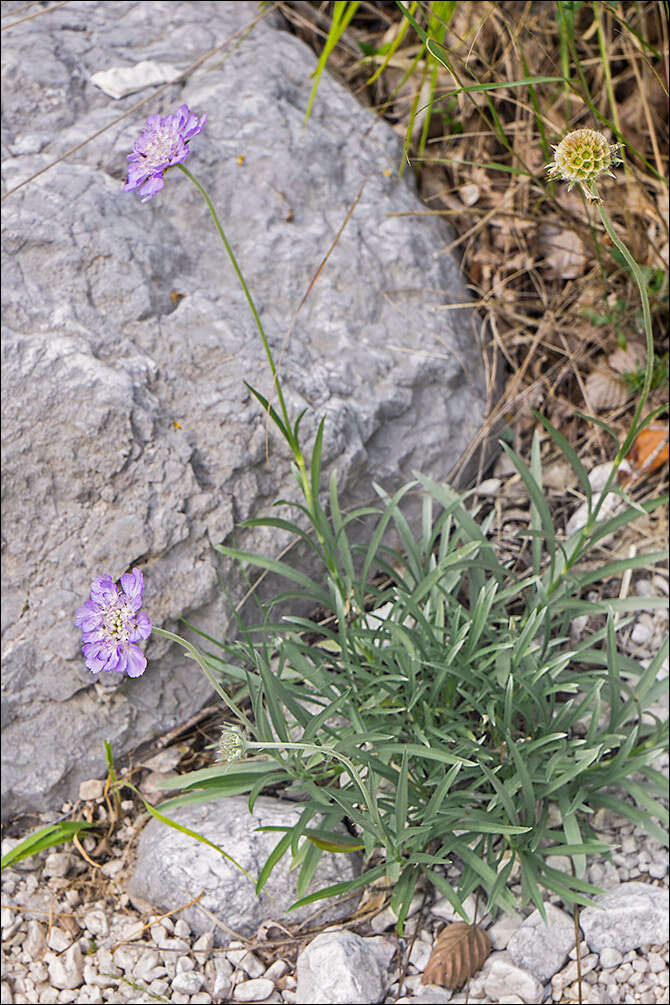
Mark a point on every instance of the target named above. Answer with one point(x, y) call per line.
point(581, 157)
point(231, 744)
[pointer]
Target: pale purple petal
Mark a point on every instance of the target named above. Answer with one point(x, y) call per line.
point(143, 630)
point(103, 590)
point(151, 187)
point(88, 616)
point(132, 584)
point(136, 661)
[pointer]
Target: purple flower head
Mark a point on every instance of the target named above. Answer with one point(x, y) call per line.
point(112, 624)
point(160, 145)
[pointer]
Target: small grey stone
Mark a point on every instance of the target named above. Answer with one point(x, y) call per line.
point(338, 967)
point(57, 863)
point(277, 970)
point(58, 939)
point(203, 946)
point(91, 788)
point(187, 982)
point(148, 966)
point(656, 963)
point(67, 969)
point(89, 995)
point(219, 972)
point(503, 978)
point(431, 994)
point(255, 990)
point(251, 965)
point(96, 923)
point(35, 940)
point(502, 931)
point(628, 917)
point(541, 948)
point(420, 955)
point(182, 929)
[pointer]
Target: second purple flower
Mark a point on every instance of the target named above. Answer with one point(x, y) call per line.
point(161, 144)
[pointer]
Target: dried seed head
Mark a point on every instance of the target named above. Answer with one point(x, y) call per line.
point(581, 157)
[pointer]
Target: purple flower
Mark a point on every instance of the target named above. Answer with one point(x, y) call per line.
point(112, 623)
point(160, 145)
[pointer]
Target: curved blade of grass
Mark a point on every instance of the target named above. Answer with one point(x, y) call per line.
point(45, 837)
point(338, 889)
point(342, 15)
point(280, 568)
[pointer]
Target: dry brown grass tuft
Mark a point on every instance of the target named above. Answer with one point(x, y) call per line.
point(561, 315)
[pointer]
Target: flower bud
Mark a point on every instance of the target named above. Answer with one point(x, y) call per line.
point(232, 744)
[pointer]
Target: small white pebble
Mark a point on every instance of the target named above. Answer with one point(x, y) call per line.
point(610, 957)
point(92, 788)
point(58, 940)
point(255, 990)
point(277, 970)
point(181, 929)
point(187, 982)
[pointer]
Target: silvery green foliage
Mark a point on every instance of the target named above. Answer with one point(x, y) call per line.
point(438, 707)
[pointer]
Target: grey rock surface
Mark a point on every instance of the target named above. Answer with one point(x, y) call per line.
point(543, 948)
point(632, 915)
point(129, 438)
point(172, 867)
point(339, 967)
point(503, 978)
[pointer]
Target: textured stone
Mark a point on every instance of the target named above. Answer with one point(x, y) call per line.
point(129, 437)
point(504, 978)
point(170, 864)
point(256, 990)
point(543, 948)
point(338, 967)
point(502, 931)
point(632, 915)
point(66, 970)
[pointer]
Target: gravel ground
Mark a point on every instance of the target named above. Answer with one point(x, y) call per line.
point(71, 934)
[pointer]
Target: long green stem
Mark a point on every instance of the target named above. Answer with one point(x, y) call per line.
point(646, 388)
point(193, 652)
point(305, 484)
point(252, 306)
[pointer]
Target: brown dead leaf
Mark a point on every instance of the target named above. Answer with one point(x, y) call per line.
point(458, 953)
point(562, 251)
point(630, 359)
point(605, 389)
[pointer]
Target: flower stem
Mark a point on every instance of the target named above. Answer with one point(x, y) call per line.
point(644, 394)
point(193, 652)
point(306, 487)
point(245, 288)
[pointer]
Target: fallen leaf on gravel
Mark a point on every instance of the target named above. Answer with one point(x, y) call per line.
point(458, 953)
point(630, 359)
point(605, 389)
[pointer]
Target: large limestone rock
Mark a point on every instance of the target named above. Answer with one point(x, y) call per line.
point(129, 438)
point(173, 868)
